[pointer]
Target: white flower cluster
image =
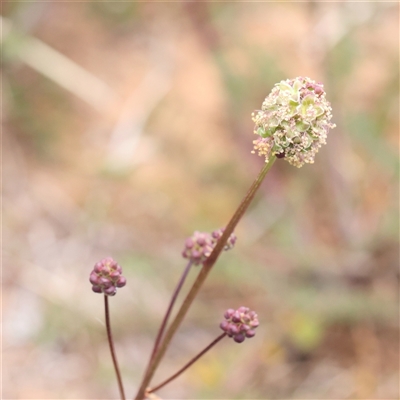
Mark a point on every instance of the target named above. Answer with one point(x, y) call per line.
point(293, 122)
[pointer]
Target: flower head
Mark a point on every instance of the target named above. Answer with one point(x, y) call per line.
point(216, 235)
point(293, 122)
point(239, 324)
point(199, 246)
point(106, 277)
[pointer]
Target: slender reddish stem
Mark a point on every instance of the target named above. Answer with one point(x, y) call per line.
point(112, 350)
point(184, 368)
point(208, 264)
point(168, 313)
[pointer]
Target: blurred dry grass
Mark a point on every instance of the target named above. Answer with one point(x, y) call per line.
point(126, 126)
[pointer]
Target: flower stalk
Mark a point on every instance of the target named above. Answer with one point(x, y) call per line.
point(112, 350)
point(169, 310)
point(186, 366)
point(293, 124)
point(207, 266)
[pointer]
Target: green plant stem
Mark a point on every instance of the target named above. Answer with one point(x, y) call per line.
point(208, 264)
point(184, 368)
point(112, 350)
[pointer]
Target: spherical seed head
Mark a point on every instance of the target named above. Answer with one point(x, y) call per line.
point(239, 324)
point(106, 277)
point(198, 247)
point(293, 122)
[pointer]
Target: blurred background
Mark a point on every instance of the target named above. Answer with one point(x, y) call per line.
point(127, 126)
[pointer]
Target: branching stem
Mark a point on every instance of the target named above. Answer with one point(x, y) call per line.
point(207, 265)
point(184, 368)
point(168, 313)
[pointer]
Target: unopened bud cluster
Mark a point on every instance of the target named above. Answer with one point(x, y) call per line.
point(216, 235)
point(199, 246)
point(240, 324)
point(106, 277)
point(293, 122)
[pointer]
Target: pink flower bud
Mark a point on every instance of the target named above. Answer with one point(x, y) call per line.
point(234, 329)
point(98, 267)
point(121, 281)
point(96, 289)
point(239, 324)
point(239, 338)
point(250, 333)
point(106, 277)
point(114, 274)
point(110, 291)
point(224, 325)
point(189, 243)
point(94, 278)
point(228, 313)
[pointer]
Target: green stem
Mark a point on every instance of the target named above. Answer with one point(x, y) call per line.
point(208, 264)
point(191, 362)
point(112, 350)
